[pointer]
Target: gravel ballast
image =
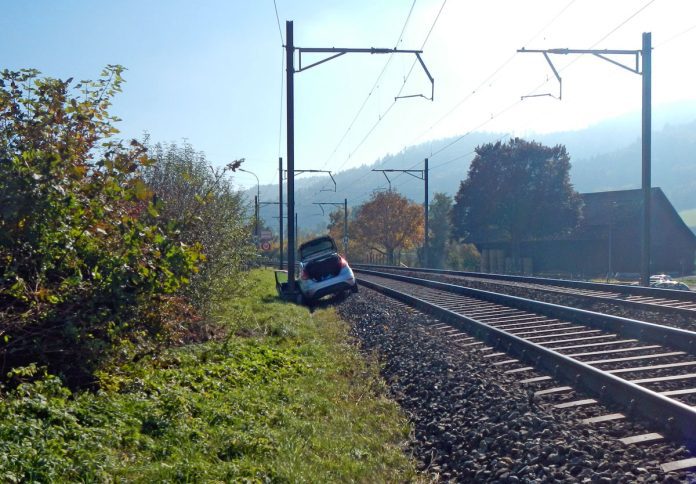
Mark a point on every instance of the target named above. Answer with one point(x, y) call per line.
point(600, 305)
point(472, 422)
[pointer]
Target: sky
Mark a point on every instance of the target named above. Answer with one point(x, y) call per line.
point(212, 72)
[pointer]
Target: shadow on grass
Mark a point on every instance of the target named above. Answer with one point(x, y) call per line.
point(325, 302)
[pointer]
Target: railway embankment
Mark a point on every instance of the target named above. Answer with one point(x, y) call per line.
point(473, 421)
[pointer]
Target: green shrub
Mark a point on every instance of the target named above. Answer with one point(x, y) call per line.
point(462, 257)
point(85, 258)
point(205, 207)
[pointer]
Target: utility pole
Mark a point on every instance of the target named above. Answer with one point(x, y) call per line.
point(280, 218)
point(298, 233)
point(256, 215)
point(344, 204)
point(290, 113)
point(646, 155)
point(290, 71)
point(421, 175)
point(426, 244)
point(280, 208)
point(645, 53)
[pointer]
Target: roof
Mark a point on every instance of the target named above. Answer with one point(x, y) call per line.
point(622, 207)
point(613, 208)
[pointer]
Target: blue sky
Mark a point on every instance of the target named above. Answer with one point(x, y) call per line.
point(211, 71)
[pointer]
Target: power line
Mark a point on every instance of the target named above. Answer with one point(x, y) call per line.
point(282, 82)
point(478, 127)
point(372, 90)
point(497, 70)
point(280, 31)
point(422, 47)
point(282, 96)
point(518, 102)
point(383, 115)
point(604, 37)
point(433, 25)
point(403, 29)
point(623, 23)
point(674, 37)
point(490, 77)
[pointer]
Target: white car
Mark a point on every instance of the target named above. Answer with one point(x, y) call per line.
point(323, 271)
point(659, 278)
point(674, 285)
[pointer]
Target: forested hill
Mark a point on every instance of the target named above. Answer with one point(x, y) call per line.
point(606, 156)
point(673, 166)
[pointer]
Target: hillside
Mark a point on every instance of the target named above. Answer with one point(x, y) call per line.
point(605, 156)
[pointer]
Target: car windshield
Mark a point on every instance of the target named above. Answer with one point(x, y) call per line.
point(316, 246)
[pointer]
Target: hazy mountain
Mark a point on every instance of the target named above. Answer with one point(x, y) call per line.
point(673, 166)
point(606, 156)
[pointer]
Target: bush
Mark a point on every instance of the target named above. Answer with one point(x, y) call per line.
point(203, 204)
point(462, 257)
point(86, 259)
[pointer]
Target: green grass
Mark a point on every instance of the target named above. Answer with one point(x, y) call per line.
point(688, 280)
point(285, 398)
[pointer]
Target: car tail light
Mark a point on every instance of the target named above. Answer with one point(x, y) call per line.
point(303, 275)
point(344, 263)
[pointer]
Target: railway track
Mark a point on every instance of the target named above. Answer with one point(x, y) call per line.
point(663, 306)
point(645, 370)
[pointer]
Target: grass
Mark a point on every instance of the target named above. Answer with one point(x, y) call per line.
point(688, 280)
point(285, 398)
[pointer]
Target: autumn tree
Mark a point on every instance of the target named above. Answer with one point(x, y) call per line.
point(389, 223)
point(516, 191)
point(336, 226)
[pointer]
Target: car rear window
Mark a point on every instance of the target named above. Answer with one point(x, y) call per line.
point(316, 246)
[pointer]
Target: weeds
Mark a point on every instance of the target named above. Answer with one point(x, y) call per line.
point(286, 402)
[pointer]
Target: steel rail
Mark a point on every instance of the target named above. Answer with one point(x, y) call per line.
point(667, 294)
point(597, 286)
point(679, 338)
point(677, 419)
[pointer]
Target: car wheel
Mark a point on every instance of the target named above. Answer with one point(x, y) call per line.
point(300, 299)
point(354, 289)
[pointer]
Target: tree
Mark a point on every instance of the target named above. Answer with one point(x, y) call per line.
point(336, 226)
point(440, 228)
point(389, 223)
point(516, 191)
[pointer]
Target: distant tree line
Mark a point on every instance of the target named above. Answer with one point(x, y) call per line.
point(513, 192)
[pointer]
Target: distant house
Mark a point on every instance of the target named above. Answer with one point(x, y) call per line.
point(607, 240)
